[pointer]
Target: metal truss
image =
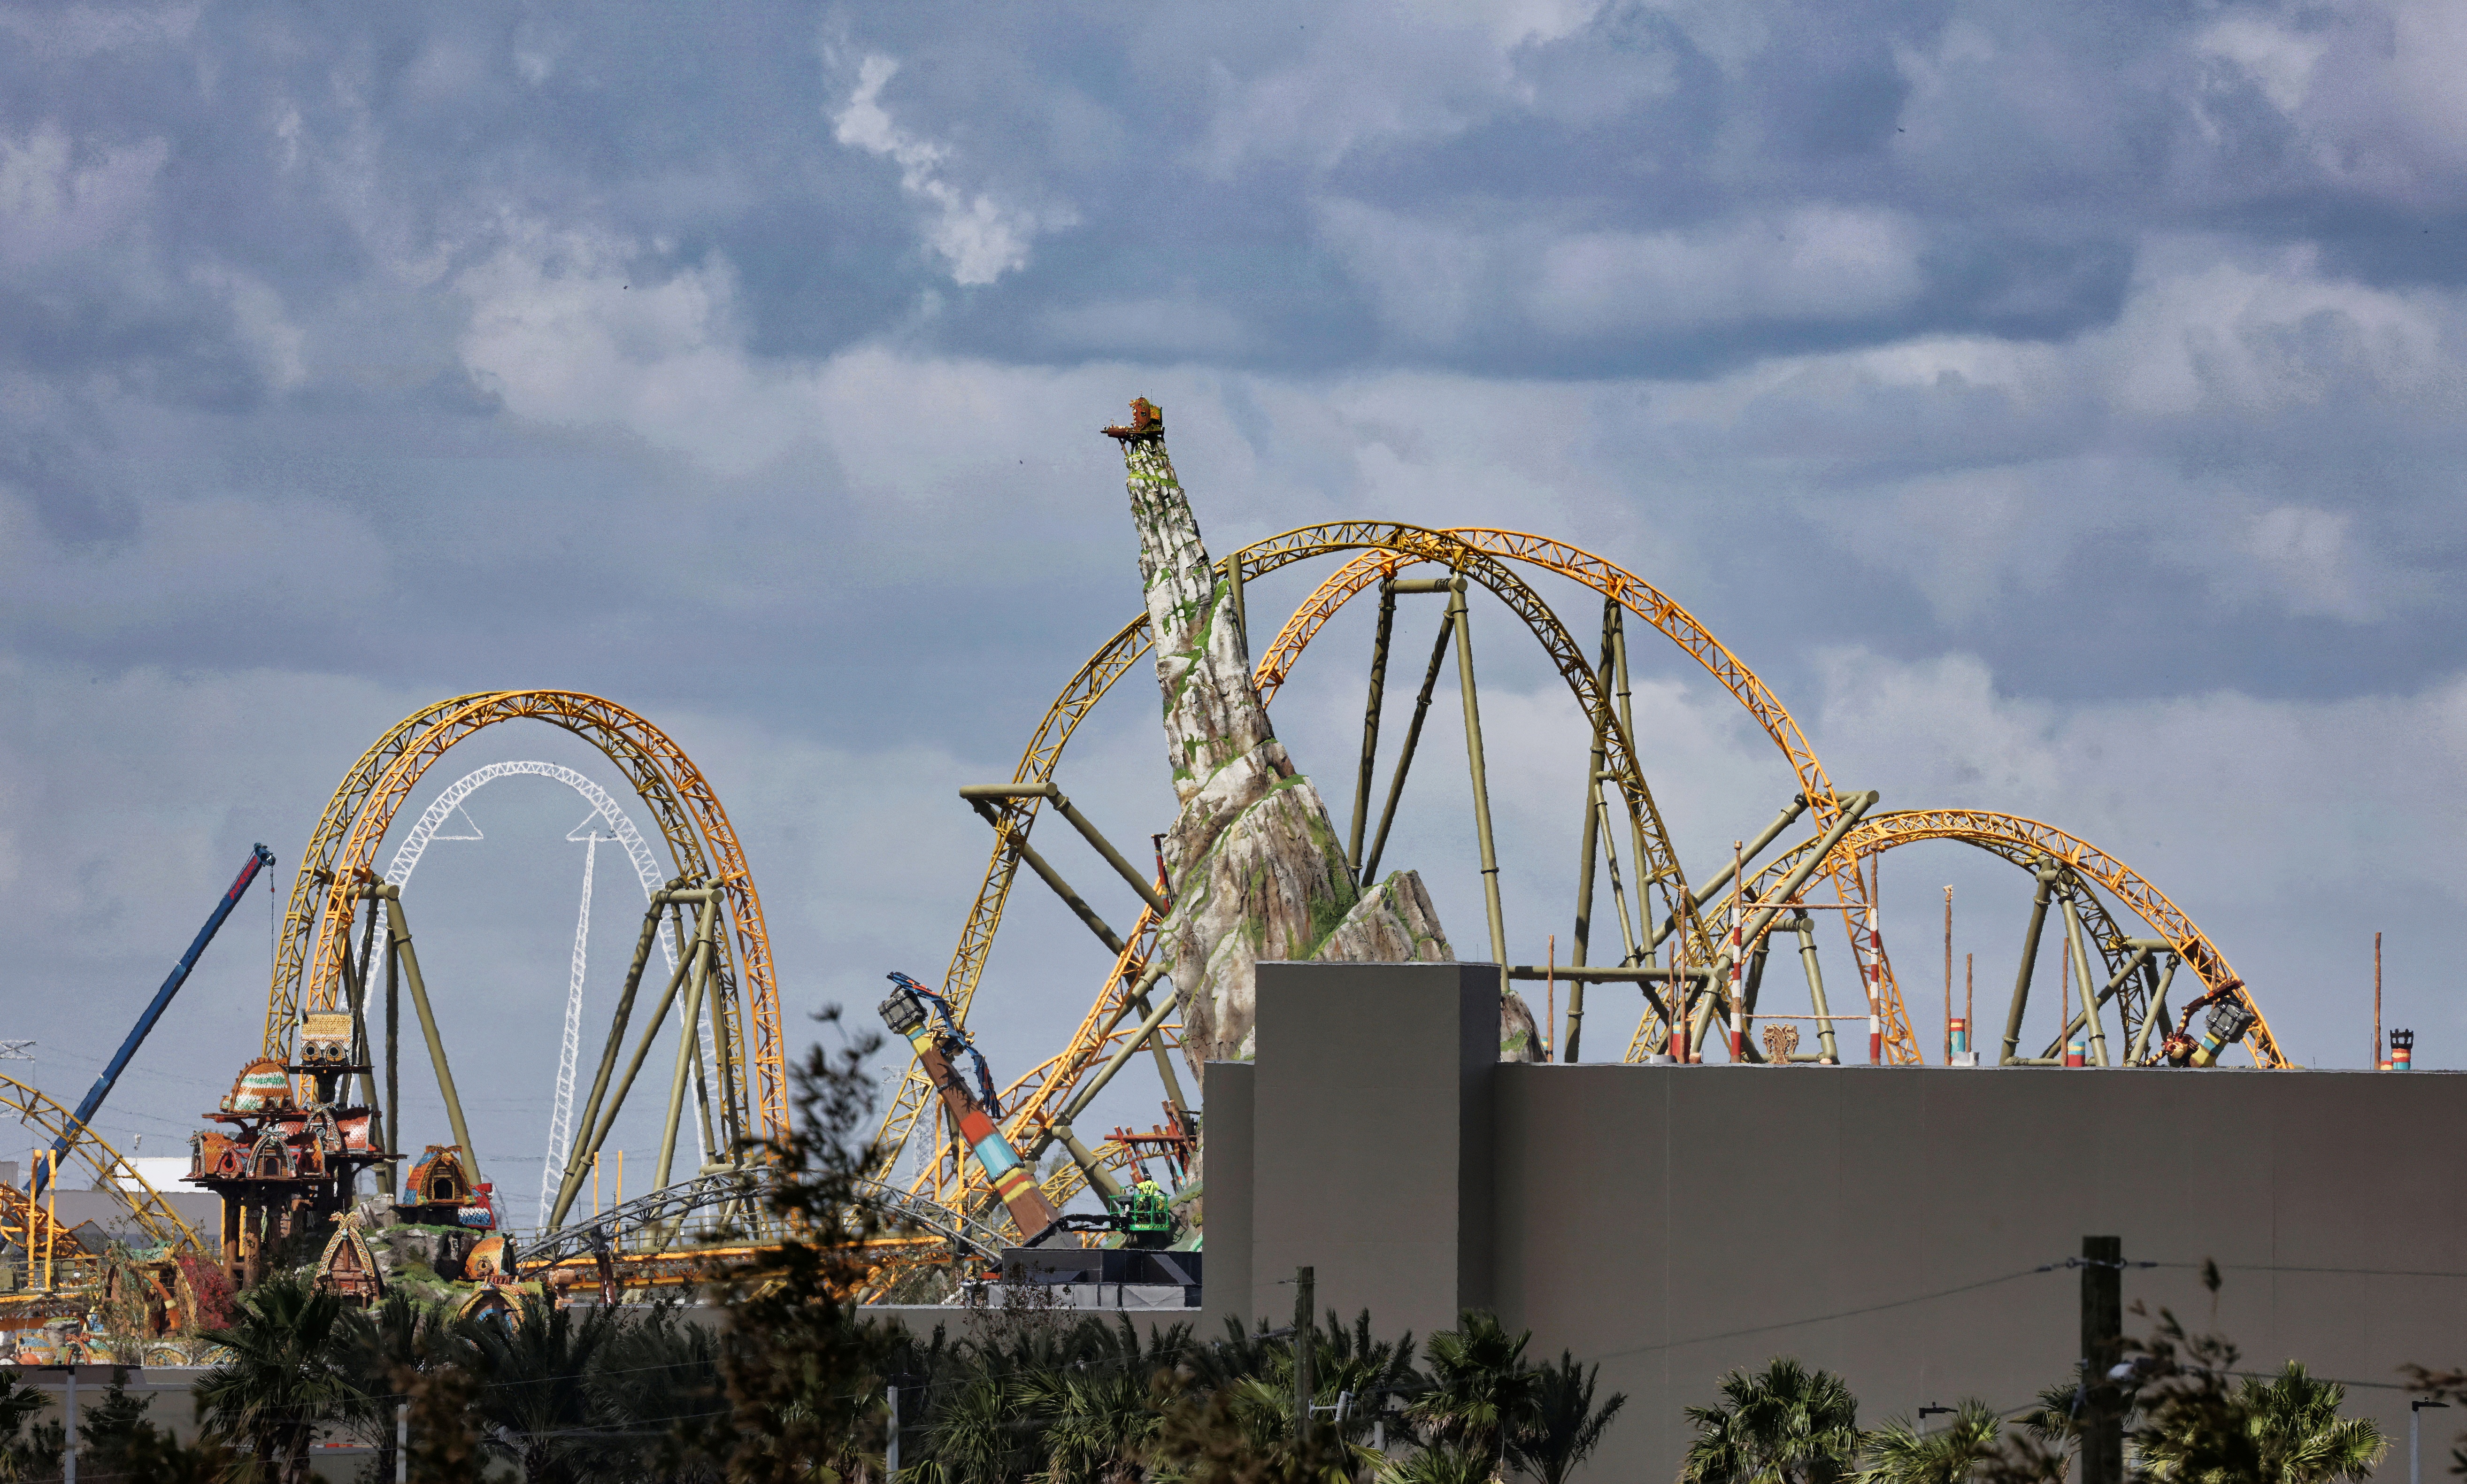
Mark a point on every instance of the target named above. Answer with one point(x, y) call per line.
point(37, 1109)
point(729, 1204)
point(342, 850)
point(1384, 549)
point(906, 1208)
point(2031, 844)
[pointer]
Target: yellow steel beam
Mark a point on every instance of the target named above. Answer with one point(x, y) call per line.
point(2027, 842)
point(701, 841)
point(37, 1109)
point(1384, 545)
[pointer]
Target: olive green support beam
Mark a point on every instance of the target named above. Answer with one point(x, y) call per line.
point(977, 798)
point(662, 902)
point(1099, 1178)
point(701, 1080)
point(1627, 735)
point(1636, 953)
point(579, 1158)
point(1589, 847)
point(1233, 565)
point(1122, 1053)
point(355, 982)
point(1756, 984)
point(1722, 879)
point(2157, 1012)
point(731, 1128)
point(999, 820)
point(1369, 773)
point(1854, 809)
point(1412, 738)
point(2029, 961)
point(1805, 927)
point(2131, 965)
point(394, 1064)
point(689, 1043)
point(399, 931)
point(1462, 617)
point(2081, 975)
point(976, 793)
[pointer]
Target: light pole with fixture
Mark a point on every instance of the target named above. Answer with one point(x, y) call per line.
point(2415, 1434)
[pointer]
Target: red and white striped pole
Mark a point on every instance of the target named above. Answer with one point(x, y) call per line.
point(1738, 997)
point(1873, 972)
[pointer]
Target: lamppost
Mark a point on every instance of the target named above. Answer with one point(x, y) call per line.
point(2414, 1436)
point(1926, 1412)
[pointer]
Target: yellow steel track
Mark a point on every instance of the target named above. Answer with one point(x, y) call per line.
point(701, 841)
point(2028, 843)
point(37, 1109)
point(1384, 547)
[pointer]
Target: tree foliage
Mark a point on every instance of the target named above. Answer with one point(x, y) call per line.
point(1899, 1453)
point(801, 1370)
point(1783, 1425)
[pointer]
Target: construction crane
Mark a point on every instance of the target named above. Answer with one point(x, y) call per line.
point(906, 1013)
point(259, 858)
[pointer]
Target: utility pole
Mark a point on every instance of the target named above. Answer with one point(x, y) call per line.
point(1305, 1385)
point(2102, 1342)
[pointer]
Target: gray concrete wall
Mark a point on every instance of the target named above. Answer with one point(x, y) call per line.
point(1672, 1223)
point(1370, 1138)
point(1226, 1210)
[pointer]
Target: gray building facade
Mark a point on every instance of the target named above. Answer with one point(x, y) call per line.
point(1907, 1227)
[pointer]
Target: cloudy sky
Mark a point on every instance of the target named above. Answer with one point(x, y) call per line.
point(2058, 405)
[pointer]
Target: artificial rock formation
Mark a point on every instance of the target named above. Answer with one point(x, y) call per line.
point(1257, 870)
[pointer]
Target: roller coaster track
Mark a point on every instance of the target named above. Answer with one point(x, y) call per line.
point(664, 1211)
point(2028, 843)
point(742, 1219)
point(36, 1110)
point(963, 1232)
point(1384, 542)
point(1647, 602)
point(701, 842)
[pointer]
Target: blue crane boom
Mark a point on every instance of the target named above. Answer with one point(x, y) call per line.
point(259, 858)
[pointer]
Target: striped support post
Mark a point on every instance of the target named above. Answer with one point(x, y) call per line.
point(1739, 997)
point(1871, 972)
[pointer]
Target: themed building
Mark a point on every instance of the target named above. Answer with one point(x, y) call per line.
point(284, 1151)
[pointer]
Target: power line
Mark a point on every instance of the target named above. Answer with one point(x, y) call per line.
point(1821, 1319)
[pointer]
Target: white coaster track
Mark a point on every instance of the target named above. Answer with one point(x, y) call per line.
point(646, 870)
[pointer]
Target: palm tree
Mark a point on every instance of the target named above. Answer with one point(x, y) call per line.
point(2303, 1438)
point(18, 1404)
point(1371, 1371)
point(1785, 1425)
point(2291, 1424)
point(1565, 1427)
point(657, 1373)
point(1440, 1463)
point(398, 1336)
point(536, 1401)
point(1900, 1453)
point(1099, 1421)
point(978, 1434)
point(157, 1457)
point(287, 1372)
point(1481, 1393)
